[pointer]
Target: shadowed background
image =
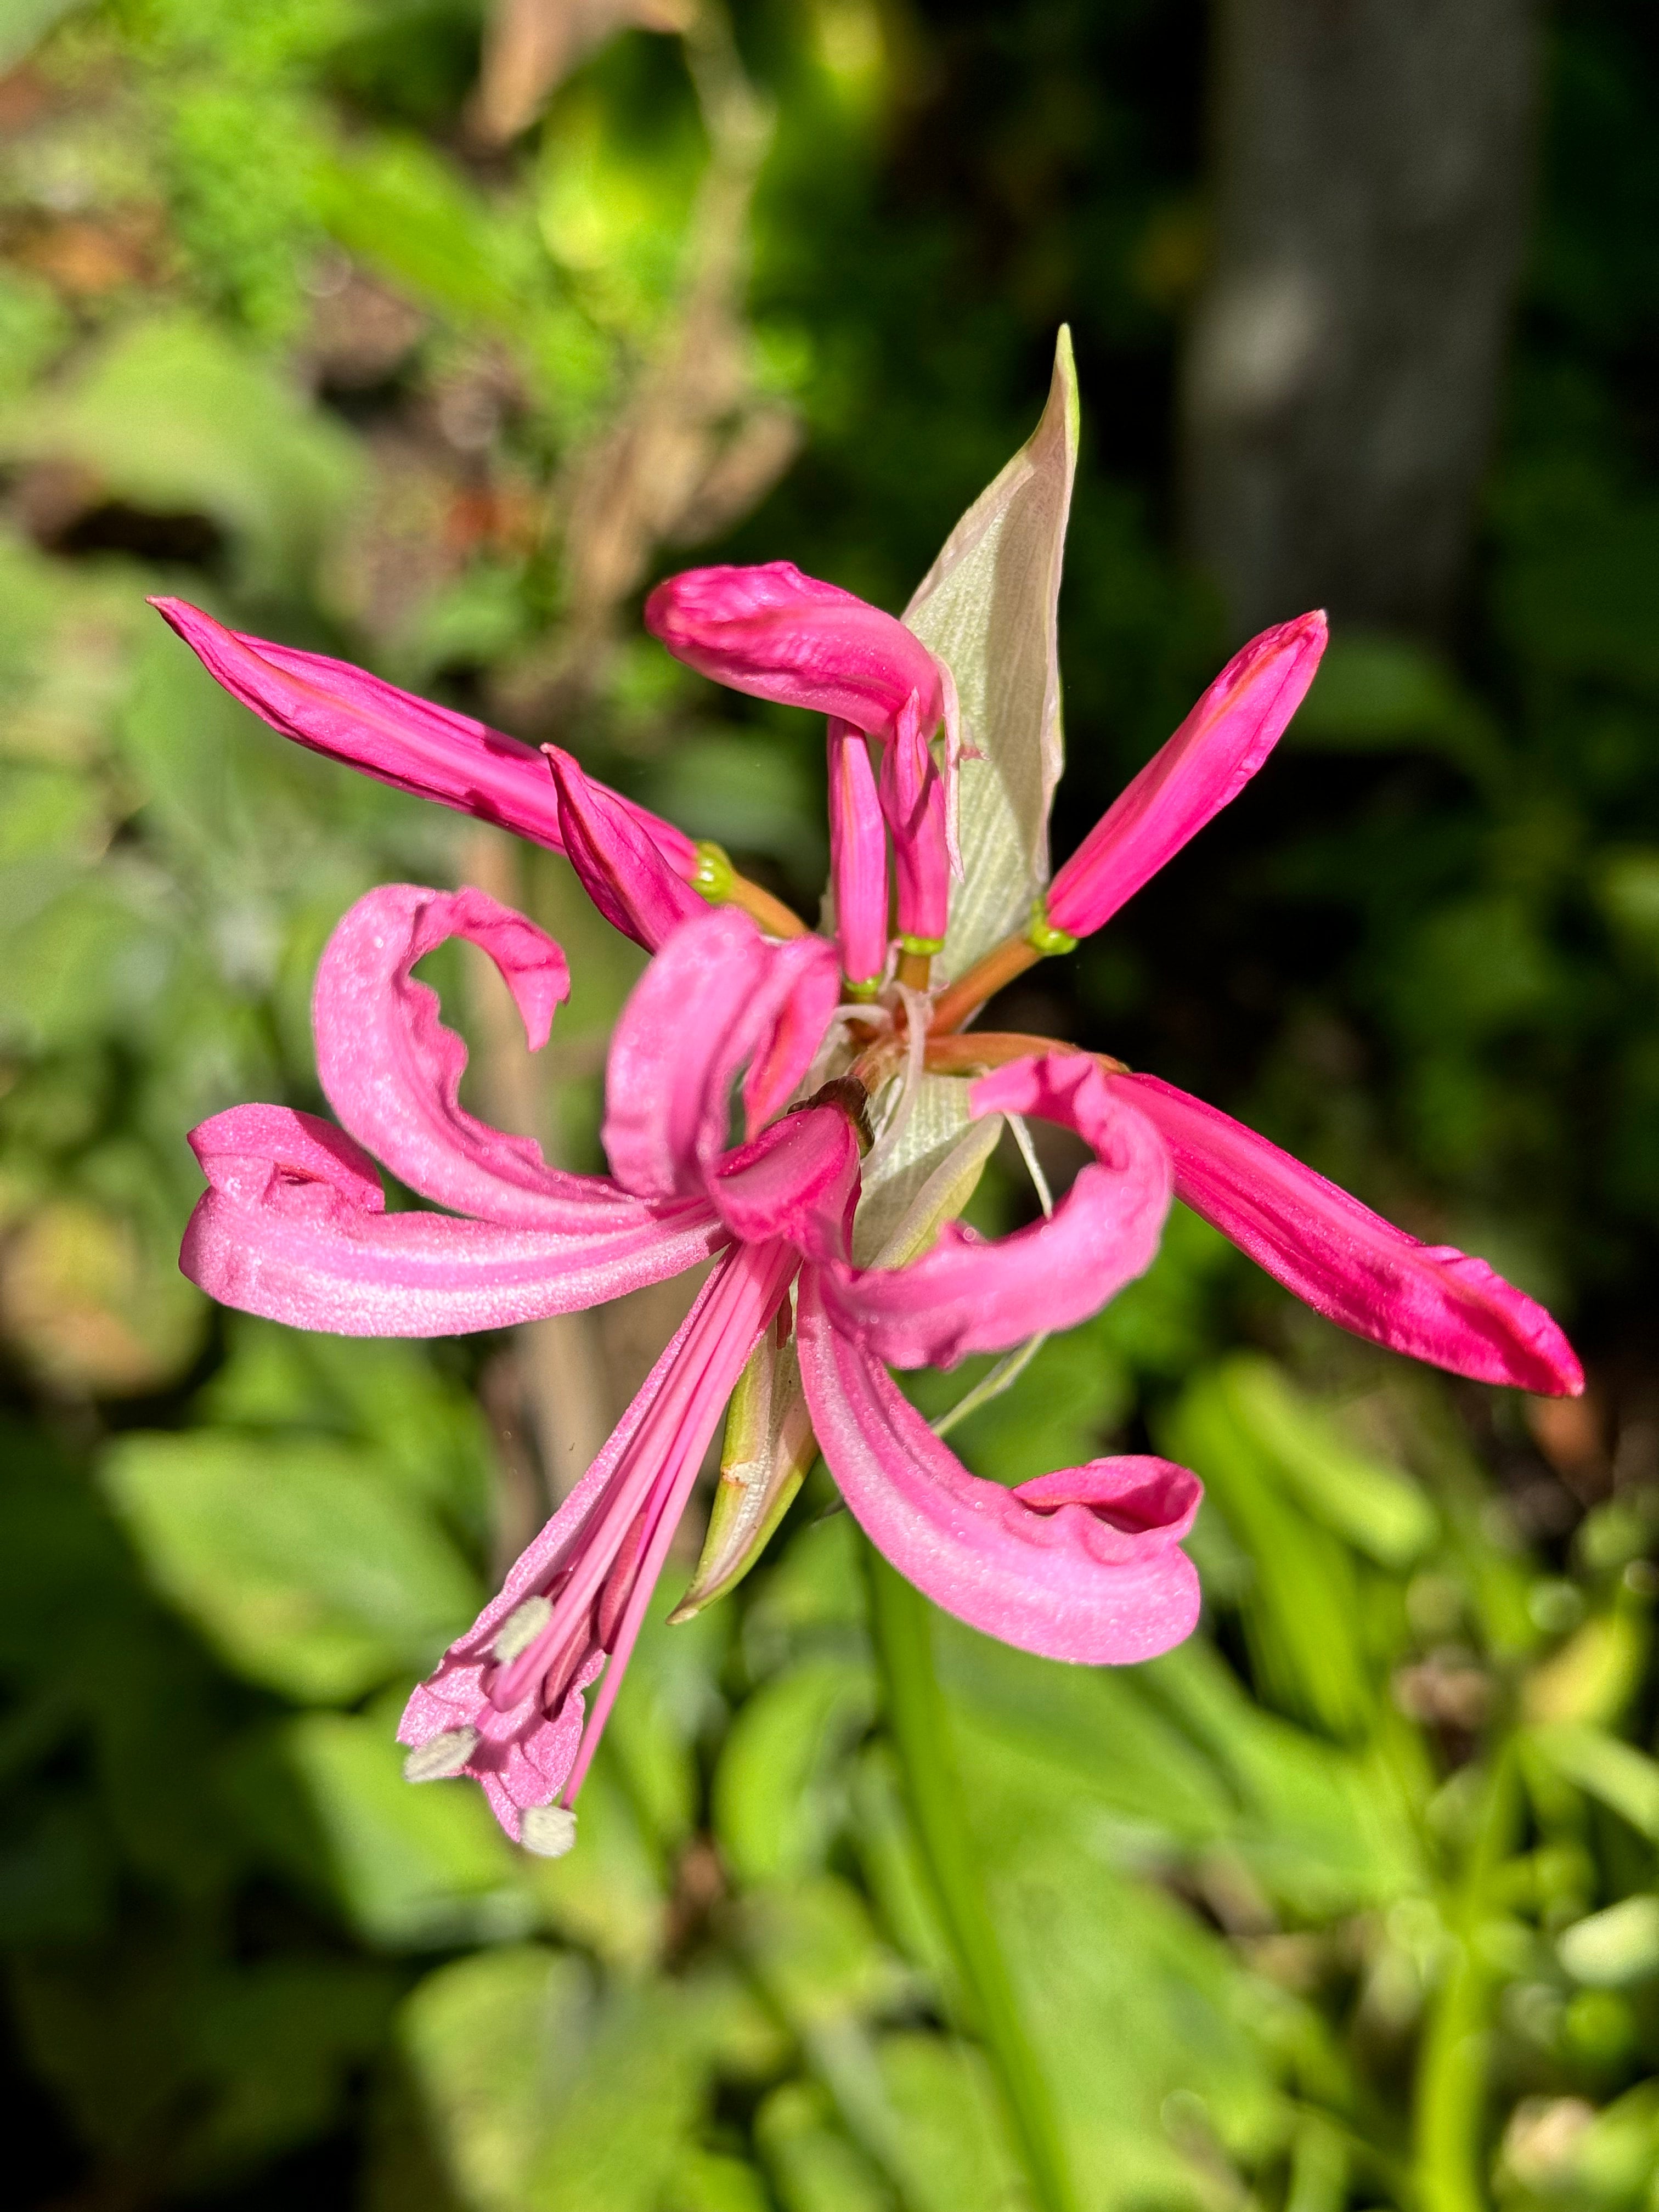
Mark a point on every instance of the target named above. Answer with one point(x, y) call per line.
point(431, 334)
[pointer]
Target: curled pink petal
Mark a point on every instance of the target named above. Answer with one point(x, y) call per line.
point(391, 1071)
point(344, 712)
point(718, 998)
point(1083, 1565)
point(621, 870)
point(858, 856)
point(798, 1180)
point(1429, 1301)
point(293, 1226)
point(779, 635)
point(587, 1577)
point(966, 1295)
point(1206, 763)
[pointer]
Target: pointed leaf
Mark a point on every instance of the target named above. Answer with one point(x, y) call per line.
point(988, 608)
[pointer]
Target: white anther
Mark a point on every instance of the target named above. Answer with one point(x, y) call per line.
point(441, 1756)
point(520, 1628)
point(550, 1830)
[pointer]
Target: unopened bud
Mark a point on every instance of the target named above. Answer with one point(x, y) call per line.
point(550, 1830)
point(441, 1756)
point(520, 1628)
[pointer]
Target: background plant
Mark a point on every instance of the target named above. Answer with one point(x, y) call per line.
point(367, 324)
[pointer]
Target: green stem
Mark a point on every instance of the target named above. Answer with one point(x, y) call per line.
point(1451, 2068)
point(920, 1728)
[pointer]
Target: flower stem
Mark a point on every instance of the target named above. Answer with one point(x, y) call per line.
point(919, 1725)
point(774, 916)
point(983, 981)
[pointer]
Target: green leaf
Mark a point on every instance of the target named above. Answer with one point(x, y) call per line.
point(776, 1799)
point(170, 416)
point(988, 607)
point(412, 1868)
point(950, 2140)
point(1376, 1505)
point(539, 2099)
point(198, 2069)
point(1616, 1773)
point(817, 1956)
point(484, 2040)
point(398, 205)
point(305, 1564)
point(814, 2166)
point(1300, 1609)
point(940, 1139)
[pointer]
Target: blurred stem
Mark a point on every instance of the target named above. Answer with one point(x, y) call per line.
point(1451, 2067)
point(919, 1725)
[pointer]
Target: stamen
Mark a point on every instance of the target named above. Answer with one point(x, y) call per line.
point(567, 1663)
point(550, 1830)
point(618, 1585)
point(441, 1756)
point(520, 1628)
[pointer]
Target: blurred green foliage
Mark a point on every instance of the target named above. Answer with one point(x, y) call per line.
point(1350, 1901)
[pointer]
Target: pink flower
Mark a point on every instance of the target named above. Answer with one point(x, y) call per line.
point(1431, 1301)
point(1082, 1564)
point(1085, 1565)
point(779, 635)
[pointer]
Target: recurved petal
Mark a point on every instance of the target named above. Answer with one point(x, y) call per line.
point(798, 1180)
point(1206, 763)
point(621, 870)
point(778, 635)
point(718, 998)
point(967, 1295)
point(391, 1071)
point(1429, 1301)
point(292, 1226)
point(1085, 1564)
point(350, 716)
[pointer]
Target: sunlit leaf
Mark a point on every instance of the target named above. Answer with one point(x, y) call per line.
point(775, 1787)
point(988, 607)
point(323, 1797)
point(305, 1567)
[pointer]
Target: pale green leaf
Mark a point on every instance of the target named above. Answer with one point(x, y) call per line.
point(1374, 1504)
point(989, 608)
point(410, 1867)
point(171, 416)
point(938, 1124)
point(309, 1568)
point(775, 1794)
point(485, 2040)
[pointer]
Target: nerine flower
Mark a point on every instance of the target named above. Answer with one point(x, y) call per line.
point(866, 1112)
point(1081, 1565)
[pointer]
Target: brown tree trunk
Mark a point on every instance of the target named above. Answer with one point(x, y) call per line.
point(1372, 160)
